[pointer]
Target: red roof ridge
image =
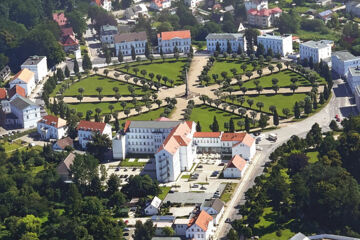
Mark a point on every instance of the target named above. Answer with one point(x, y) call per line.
point(3, 93)
point(207, 134)
point(17, 89)
point(183, 34)
point(237, 162)
point(201, 220)
point(53, 121)
point(91, 126)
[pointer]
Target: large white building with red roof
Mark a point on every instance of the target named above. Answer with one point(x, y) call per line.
point(159, 5)
point(263, 18)
point(25, 79)
point(167, 41)
point(51, 127)
point(87, 129)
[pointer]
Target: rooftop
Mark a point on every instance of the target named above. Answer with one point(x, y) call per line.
point(174, 34)
point(3, 93)
point(64, 142)
point(227, 36)
point(33, 60)
point(53, 121)
point(265, 12)
point(272, 36)
point(156, 202)
point(24, 75)
point(315, 44)
point(68, 161)
point(130, 37)
point(344, 55)
point(207, 134)
point(108, 27)
point(151, 124)
point(202, 220)
point(21, 103)
point(354, 71)
point(214, 203)
point(91, 126)
point(17, 89)
point(237, 162)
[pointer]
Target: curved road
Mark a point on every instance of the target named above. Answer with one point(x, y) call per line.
point(341, 103)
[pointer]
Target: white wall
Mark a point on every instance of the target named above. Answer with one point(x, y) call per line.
point(183, 45)
point(195, 232)
point(151, 210)
point(317, 54)
point(51, 131)
point(211, 44)
point(126, 47)
point(28, 117)
point(27, 86)
point(39, 69)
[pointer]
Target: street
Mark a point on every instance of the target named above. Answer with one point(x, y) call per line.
point(341, 103)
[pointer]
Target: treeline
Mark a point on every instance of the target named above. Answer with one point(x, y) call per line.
point(316, 197)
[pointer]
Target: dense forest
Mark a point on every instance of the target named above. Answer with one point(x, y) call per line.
point(315, 195)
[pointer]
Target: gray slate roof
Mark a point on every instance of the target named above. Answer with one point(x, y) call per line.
point(21, 103)
point(214, 203)
point(154, 124)
point(130, 37)
point(227, 36)
point(33, 60)
point(107, 28)
point(344, 55)
point(299, 236)
point(314, 44)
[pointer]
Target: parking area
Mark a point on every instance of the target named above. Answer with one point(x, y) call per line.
point(123, 172)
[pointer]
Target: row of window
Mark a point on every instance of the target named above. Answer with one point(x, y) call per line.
point(173, 44)
point(141, 143)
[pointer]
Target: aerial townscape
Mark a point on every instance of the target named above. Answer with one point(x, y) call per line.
point(179, 119)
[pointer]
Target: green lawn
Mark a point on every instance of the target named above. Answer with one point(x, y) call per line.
point(205, 115)
point(170, 68)
point(228, 192)
point(136, 163)
point(284, 78)
point(225, 66)
point(10, 147)
point(164, 192)
point(104, 106)
point(279, 100)
point(315, 36)
point(91, 83)
point(312, 156)
point(185, 176)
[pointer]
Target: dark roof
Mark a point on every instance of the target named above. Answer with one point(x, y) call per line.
point(130, 37)
point(214, 203)
point(21, 103)
point(33, 60)
point(62, 143)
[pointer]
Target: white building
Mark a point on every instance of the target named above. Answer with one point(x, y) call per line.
point(125, 41)
point(201, 227)
point(320, 50)
point(107, 33)
point(180, 225)
point(256, 4)
point(105, 4)
point(51, 127)
point(167, 41)
point(87, 129)
point(38, 65)
point(353, 8)
point(353, 78)
point(154, 207)
point(192, 3)
point(263, 18)
point(134, 11)
point(282, 45)
point(235, 167)
point(26, 113)
point(214, 207)
point(341, 61)
point(236, 40)
point(357, 97)
point(25, 79)
point(159, 5)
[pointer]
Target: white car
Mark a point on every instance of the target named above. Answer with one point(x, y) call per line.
point(259, 148)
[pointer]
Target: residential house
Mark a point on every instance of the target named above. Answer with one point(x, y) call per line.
point(63, 169)
point(281, 45)
point(192, 3)
point(159, 5)
point(154, 207)
point(325, 15)
point(323, 2)
point(25, 79)
point(24, 113)
point(353, 7)
point(61, 144)
point(68, 40)
point(51, 127)
point(125, 41)
point(11, 94)
point(105, 4)
point(353, 78)
point(263, 18)
point(107, 33)
point(341, 61)
point(38, 65)
point(236, 40)
point(256, 4)
point(16, 91)
point(299, 236)
point(87, 129)
point(5, 72)
point(201, 227)
point(167, 41)
point(235, 167)
point(357, 97)
point(229, 8)
point(134, 11)
point(60, 19)
point(318, 51)
point(161, 223)
point(180, 225)
point(214, 207)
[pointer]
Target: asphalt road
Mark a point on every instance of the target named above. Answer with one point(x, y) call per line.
point(341, 103)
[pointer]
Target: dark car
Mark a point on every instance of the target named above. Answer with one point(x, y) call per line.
point(117, 169)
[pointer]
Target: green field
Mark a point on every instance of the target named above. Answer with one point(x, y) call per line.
point(170, 68)
point(279, 100)
point(284, 78)
point(315, 36)
point(225, 66)
point(90, 84)
point(104, 106)
point(205, 115)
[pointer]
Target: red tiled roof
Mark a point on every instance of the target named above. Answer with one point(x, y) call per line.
point(127, 124)
point(238, 137)
point(53, 121)
point(176, 138)
point(70, 40)
point(159, 3)
point(190, 124)
point(237, 162)
point(67, 31)
point(174, 34)
point(98, 2)
point(60, 18)
point(17, 90)
point(264, 12)
point(202, 220)
point(207, 134)
point(2, 93)
point(62, 143)
point(91, 126)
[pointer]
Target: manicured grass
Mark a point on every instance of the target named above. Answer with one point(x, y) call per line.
point(186, 176)
point(312, 156)
point(164, 192)
point(90, 84)
point(136, 163)
point(228, 192)
point(284, 78)
point(10, 147)
point(205, 115)
point(225, 66)
point(281, 101)
point(104, 106)
point(170, 68)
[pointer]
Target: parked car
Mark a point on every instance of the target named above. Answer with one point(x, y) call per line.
point(200, 166)
point(195, 186)
point(228, 220)
point(134, 169)
point(117, 169)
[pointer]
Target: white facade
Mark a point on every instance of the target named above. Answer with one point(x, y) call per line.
point(37, 65)
point(126, 41)
point(202, 228)
point(106, 4)
point(154, 207)
point(192, 3)
point(282, 45)
point(51, 127)
point(25, 79)
point(236, 40)
point(215, 208)
point(87, 129)
point(341, 62)
point(159, 5)
point(26, 112)
point(353, 78)
point(318, 51)
point(256, 4)
point(167, 41)
point(357, 97)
